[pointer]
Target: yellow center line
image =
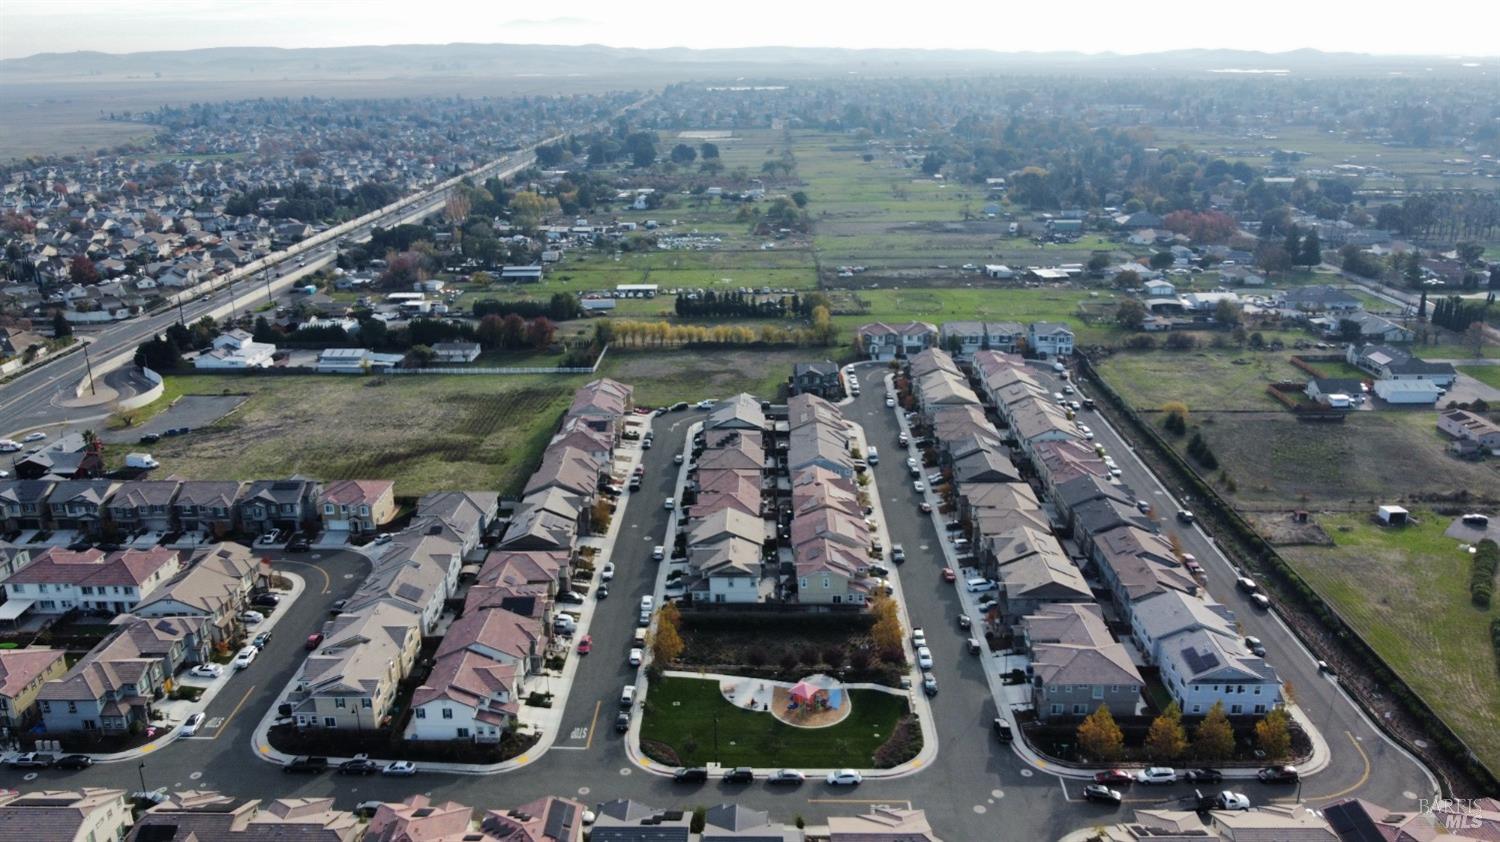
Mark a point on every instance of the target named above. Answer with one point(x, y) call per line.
point(327, 583)
point(592, 722)
point(225, 724)
point(1363, 778)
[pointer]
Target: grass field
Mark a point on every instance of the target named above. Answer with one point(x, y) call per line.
point(1204, 380)
point(1406, 592)
point(1486, 374)
point(663, 377)
point(424, 432)
point(692, 717)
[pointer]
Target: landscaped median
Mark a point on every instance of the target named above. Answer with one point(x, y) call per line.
point(687, 721)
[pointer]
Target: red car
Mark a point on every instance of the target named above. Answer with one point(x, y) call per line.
point(313, 640)
point(949, 575)
point(1114, 776)
point(585, 645)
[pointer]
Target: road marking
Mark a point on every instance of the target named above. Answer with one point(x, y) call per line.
point(1363, 778)
point(327, 583)
point(592, 722)
point(243, 699)
point(859, 801)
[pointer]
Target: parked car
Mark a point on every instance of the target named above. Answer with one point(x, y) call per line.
point(1114, 776)
point(298, 545)
point(677, 460)
point(261, 640)
point(74, 761)
point(918, 637)
point(1001, 730)
point(150, 438)
point(929, 684)
point(1185, 516)
point(31, 437)
point(32, 760)
point(786, 776)
point(400, 769)
point(739, 775)
point(919, 486)
point(658, 552)
point(602, 592)
point(1261, 601)
point(1203, 776)
point(924, 507)
point(1246, 584)
point(359, 766)
point(586, 645)
point(607, 572)
point(1102, 794)
point(949, 575)
point(313, 640)
point(1231, 801)
point(251, 618)
point(1278, 775)
point(636, 656)
point(898, 553)
point(924, 657)
point(265, 600)
point(206, 671)
point(305, 765)
point(844, 777)
point(690, 775)
point(1157, 775)
point(272, 537)
point(1255, 646)
point(669, 504)
point(622, 722)
point(383, 538)
point(570, 597)
point(191, 725)
point(979, 585)
point(245, 657)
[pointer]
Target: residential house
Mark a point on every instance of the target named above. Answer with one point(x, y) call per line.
point(466, 696)
point(207, 506)
point(59, 580)
point(1388, 363)
point(1061, 461)
point(90, 814)
point(420, 819)
point(547, 819)
point(1093, 518)
point(734, 823)
point(1201, 668)
point(357, 506)
point(288, 504)
point(69, 457)
point(631, 821)
point(1334, 391)
point(968, 338)
point(881, 341)
point(22, 674)
point(143, 505)
point(23, 502)
point(1074, 679)
point(1049, 340)
point(820, 378)
point(215, 586)
point(12, 558)
point(354, 361)
point(738, 412)
point(1373, 328)
point(1466, 426)
point(1135, 564)
point(498, 635)
point(350, 681)
point(236, 350)
point(198, 816)
point(724, 553)
point(417, 572)
point(119, 681)
point(882, 824)
point(466, 514)
point(78, 504)
point(1033, 570)
point(546, 520)
point(1320, 298)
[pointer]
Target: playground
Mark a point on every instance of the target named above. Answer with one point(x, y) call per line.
point(817, 701)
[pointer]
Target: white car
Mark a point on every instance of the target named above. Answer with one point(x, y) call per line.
point(658, 552)
point(9, 446)
point(251, 618)
point(786, 776)
point(1156, 775)
point(890, 402)
point(669, 504)
point(706, 403)
point(191, 725)
point(844, 777)
point(924, 657)
point(919, 486)
point(918, 637)
point(400, 768)
point(1232, 801)
point(677, 460)
point(36, 436)
point(607, 572)
point(206, 671)
point(636, 656)
point(245, 657)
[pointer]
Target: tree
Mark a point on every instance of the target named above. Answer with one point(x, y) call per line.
point(1422, 307)
point(158, 355)
point(490, 332)
point(709, 151)
point(683, 154)
point(81, 270)
point(666, 644)
point(1214, 737)
point(61, 327)
point(1273, 735)
point(422, 355)
point(1162, 260)
point(641, 147)
point(886, 633)
point(1227, 313)
point(1312, 250)
point(1293, 244)
point(1099, 737)
point(799, 198)
point(1412, 274)
point(1131, 314)
point(1127, 279)
point(1469, 252)
point(1474, 339)
point(539, 332)
point(512, 331)
point(1167, 739)
point(1349, 331)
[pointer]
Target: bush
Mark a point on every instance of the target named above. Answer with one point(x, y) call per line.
point(904, 744)
point(1482, 576)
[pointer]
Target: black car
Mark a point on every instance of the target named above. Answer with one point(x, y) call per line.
point(1203, 776)
point(602, 593)
point(265, 600)
point(150, 438)
point(1102, 794)
point(739, 775)
point(1278, 775)
point(690, 775)
point(622, 722)
point(1002, 730)
point(74, 761)
point(359, 767)
point(306, 765)
point(570, 597)
point(297, 545)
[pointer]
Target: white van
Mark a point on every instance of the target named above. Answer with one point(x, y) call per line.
point(979, 585)
point(874, 456)
point(627, 696)
point(646, 605)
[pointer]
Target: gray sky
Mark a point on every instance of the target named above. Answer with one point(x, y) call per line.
point(1435, 27)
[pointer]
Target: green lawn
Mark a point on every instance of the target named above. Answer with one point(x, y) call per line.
point(1486, 374)
point(1406, 591)
point(687, 714)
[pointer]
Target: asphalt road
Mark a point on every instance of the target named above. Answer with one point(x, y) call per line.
point(973, 786)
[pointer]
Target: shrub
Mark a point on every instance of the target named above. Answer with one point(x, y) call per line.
point(1482, 575)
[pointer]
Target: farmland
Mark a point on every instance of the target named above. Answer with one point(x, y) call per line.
point(1406, 592)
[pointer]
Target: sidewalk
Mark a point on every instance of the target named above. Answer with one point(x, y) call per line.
point(546, 721)
point(175, 712)
point(996, 664)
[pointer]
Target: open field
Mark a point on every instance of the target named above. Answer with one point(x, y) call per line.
point(425, 432)
point(692, 717)
point(1486, 374)
point(1406, 592)
point(664, 377)
point(1204, 380)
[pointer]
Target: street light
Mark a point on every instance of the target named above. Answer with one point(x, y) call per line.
point(141, 768)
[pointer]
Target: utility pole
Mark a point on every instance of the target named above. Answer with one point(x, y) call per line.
point(141, 768)
point(180, 318)
point(90, 367)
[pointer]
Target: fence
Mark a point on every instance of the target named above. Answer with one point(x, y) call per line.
point(1295, 591)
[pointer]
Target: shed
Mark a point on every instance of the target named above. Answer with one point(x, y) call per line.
point(1392, 515)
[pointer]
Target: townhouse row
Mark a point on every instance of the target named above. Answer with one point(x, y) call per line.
point(1043, 340)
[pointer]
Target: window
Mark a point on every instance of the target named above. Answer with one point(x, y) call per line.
point(420, 713)
point(89, 725)
point(339, 703)
point(447, 713)
point(463, 732)
point(1056, 709)
point(365, 703)
point(327, 508)
point(1197, 708)
point(1257, 690)
point(1260, 708)
point(827, 583)
point(72, 707)
point(802, 583)
point(46, 706)
point(330, 722)
point(1079, 710)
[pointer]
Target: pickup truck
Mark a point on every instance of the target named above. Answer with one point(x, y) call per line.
point(31, 760)
point(306, 765)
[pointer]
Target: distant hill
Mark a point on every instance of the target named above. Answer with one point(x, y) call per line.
point(519, 60)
